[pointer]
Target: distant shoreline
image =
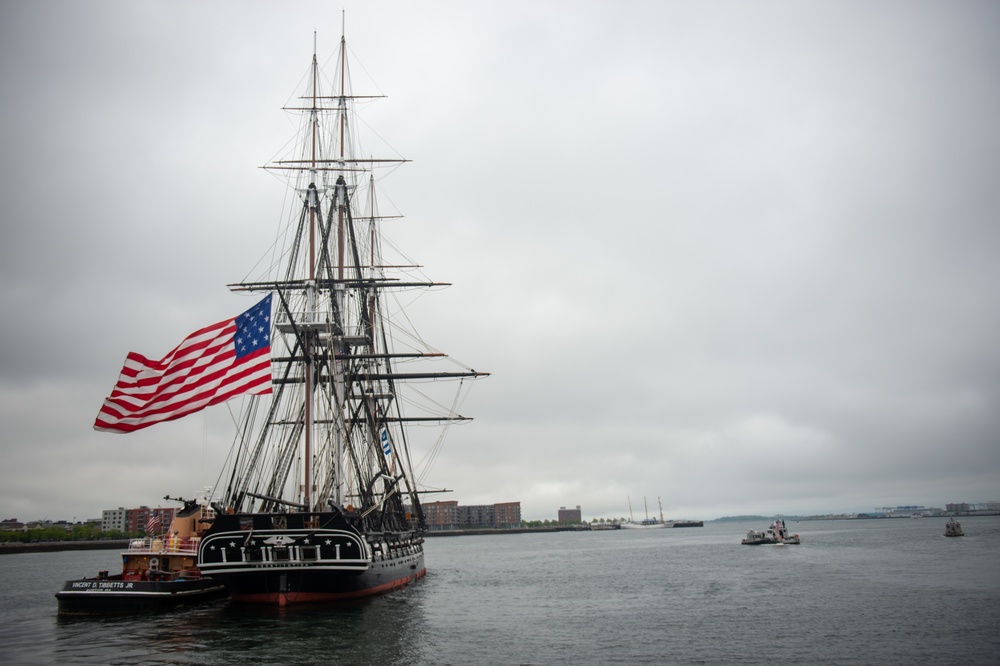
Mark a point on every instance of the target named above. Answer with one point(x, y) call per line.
point(505, 530)
point(12, 548)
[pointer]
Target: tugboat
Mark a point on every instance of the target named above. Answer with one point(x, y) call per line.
point(776, 534)
point(158, 573)
point(953, 528)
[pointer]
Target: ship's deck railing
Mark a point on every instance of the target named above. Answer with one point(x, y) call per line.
point(169, 545)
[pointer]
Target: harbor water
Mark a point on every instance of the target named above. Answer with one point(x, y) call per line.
point(858, 592)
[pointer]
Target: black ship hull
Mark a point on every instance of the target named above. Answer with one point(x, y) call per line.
point(109, 596)
point(290, 586)
point(286, 559)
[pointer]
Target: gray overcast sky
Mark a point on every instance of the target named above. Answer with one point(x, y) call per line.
point(744, 256)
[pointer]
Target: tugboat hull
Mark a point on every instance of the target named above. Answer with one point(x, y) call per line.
point(108, 596)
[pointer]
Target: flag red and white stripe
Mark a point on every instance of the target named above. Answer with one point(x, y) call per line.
point(210, 366)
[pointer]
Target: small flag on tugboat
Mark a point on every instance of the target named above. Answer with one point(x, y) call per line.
point(212, 365)
point(153, 524)
point(386, 446)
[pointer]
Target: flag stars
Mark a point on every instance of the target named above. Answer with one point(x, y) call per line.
point(253, 329)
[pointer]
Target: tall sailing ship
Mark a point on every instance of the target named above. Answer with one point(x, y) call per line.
point(318, 500)
point(321, 502)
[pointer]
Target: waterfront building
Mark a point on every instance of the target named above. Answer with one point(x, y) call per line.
point(476, 516)
point(507, 515)
point(138, 520)
point(906, 511)
point(570, 515)
point(441, 515)
point(113, 520)
point(452, 516)
point(11, 525)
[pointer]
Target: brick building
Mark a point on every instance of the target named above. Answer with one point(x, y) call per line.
point(440, 515)
point(452, 516)
point(507, 515)
point(570, 515)
point(135, 520)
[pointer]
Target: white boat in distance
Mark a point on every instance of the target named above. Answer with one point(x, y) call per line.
point(645, 524)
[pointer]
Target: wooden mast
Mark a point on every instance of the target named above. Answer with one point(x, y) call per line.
point(343, 123)
point(312, 202)
point(340, 199)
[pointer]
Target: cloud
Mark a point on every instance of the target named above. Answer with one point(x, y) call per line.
point(742, 259)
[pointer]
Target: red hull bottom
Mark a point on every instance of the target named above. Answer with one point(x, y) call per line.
point(295, 598)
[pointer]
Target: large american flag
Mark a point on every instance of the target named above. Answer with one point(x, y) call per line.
point(210, 366)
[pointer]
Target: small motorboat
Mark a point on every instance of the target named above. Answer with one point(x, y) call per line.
point(776, 534)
